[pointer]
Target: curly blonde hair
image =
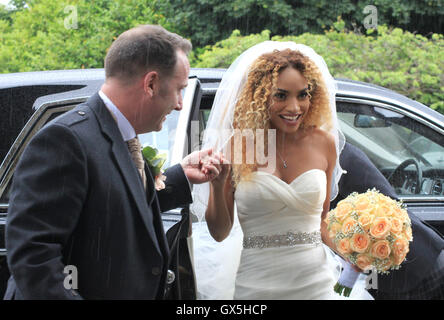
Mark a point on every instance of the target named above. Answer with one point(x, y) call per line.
point(252, 108)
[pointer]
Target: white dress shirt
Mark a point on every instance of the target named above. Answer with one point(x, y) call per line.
point(125, 128)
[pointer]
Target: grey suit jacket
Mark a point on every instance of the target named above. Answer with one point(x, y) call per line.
point(77, 199)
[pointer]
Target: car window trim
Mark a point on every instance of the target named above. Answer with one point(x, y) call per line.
point(397, 108)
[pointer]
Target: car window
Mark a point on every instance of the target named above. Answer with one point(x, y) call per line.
point(23, 139)
point(162, 140)
point(165, 139)
point(203, 119)
point(391, 139)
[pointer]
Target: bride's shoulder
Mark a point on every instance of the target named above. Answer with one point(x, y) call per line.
point(324, 140)
point(322, 136)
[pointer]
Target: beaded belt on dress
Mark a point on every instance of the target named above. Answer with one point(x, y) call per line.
point(282, 240)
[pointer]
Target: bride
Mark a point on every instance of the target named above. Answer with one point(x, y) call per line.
point(266, 216)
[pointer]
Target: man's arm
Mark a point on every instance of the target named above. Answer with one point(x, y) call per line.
point(198, 167)
point(48, 192)
point(177, 192)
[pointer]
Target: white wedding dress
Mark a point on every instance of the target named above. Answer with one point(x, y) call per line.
point(271, 211)
point(282, 255)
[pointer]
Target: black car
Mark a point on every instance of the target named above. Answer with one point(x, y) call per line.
point(402, 137)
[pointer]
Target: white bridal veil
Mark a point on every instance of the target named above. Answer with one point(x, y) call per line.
point(216, 263)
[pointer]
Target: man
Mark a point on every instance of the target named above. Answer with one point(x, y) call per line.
point(421, 276)
point(78, 198)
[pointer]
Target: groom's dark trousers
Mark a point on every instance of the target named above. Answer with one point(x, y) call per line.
point(77, 199)
point(421, 276)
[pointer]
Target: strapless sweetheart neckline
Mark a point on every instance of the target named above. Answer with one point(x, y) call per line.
point(295, 179)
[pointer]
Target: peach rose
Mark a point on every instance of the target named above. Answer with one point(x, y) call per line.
point(382, 199)
point(159, 183)
point(401, 214)
point(382, 210)
point(381, 249)
point(406, 216)
point(365, 220)
point(344, 246)
point(408, 233)
point(397, 260)
point(364, 261)
point(348, 225)
point(376, 211)
point(400, 247)
point(359, 242)
point(330, 214)
point(342, 210)
point(380, 228)
point(333, 229)
point(391, 212)
point(386, 265)
point(362, 203)
point(396, 226)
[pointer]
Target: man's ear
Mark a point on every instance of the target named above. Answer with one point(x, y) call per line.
point(151, 83)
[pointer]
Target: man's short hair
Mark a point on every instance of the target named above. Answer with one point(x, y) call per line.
point(143, 49)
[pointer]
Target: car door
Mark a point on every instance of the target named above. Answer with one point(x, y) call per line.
point(408, 150)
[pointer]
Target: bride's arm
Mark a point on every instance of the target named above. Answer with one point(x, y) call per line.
point(219, 215)
point(331, 158)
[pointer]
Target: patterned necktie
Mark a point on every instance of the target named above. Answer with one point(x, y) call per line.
point(135, 148)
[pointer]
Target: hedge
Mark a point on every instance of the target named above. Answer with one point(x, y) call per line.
point(209, 21)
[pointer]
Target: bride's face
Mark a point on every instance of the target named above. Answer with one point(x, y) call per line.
point(290, 102)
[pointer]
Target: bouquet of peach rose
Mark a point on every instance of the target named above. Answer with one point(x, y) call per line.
point(371, 231)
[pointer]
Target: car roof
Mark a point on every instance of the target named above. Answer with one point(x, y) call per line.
point(92, 79)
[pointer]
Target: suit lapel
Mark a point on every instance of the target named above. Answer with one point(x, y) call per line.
point(152, 201)
point(124, 162)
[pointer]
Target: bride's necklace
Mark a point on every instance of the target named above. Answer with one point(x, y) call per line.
point(283, 161)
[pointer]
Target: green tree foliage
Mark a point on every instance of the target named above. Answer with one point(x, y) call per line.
point(43, 35)
point(71, 34)
point(208, 21)
point(4, 14)
point(399, 60)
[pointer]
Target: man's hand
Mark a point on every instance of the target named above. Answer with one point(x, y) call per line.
point(224, 170)
point(202, 166)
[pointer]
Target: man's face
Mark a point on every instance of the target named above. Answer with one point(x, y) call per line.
point(169, 96)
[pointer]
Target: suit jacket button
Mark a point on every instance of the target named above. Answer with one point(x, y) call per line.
point(170, 277)
point(155, 271)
